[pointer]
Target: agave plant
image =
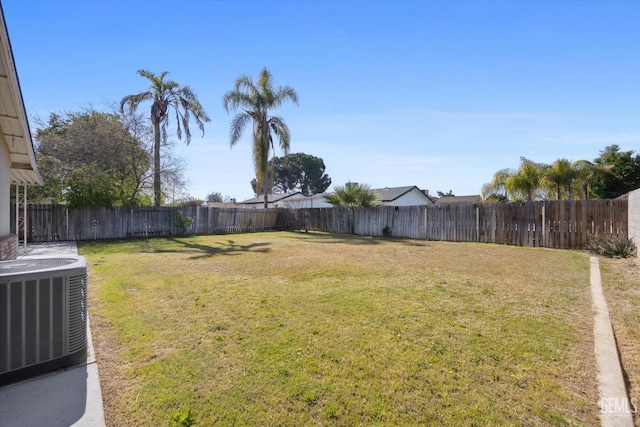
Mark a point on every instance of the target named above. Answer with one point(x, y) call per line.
point(612, 246)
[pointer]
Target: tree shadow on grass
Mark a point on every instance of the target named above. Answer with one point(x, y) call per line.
point(229, 247)
point(328, 238)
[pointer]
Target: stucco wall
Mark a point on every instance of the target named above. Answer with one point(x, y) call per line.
point(303, 202)
point(5, 188)
point(412, 198)
point(634, 216)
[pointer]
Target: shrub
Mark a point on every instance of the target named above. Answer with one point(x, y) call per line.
point(182, 222)
point(612, 246)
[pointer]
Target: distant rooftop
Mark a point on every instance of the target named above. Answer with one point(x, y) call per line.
point(384, 195)
point(458, 199)
point(271, 198)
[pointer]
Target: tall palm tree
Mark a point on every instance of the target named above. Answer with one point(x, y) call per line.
point(255, 101)
point(166, 95)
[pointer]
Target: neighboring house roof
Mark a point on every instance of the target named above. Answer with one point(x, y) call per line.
point(458, 199)
point(223, 205)
point(14, 127)
point(271, 198)
point(301, 201)
point(387, 194)
point(384, 196)
point(301, 196)
point(293, 197)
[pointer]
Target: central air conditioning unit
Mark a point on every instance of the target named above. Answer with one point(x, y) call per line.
point(43, 316)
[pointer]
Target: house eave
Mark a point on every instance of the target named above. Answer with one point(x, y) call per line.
point(14, 127)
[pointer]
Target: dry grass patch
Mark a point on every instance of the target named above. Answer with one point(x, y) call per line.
point(319, 329)
point(621, 283)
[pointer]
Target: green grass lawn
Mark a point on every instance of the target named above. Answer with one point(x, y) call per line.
point(293, 329)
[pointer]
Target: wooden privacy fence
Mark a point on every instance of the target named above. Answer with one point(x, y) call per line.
point(51, 223)
point(551, 224)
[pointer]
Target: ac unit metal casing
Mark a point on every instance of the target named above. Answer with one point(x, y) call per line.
point(43, 316)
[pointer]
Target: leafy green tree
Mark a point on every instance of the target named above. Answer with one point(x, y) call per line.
point(91, 186)
point(190, 201)
point(443, 194)
point(300, 172)
point(52, 171)
point(166, 96)
point(587, 174)
point(72, 145)
point(214, 197)
point(255, 100)
point(296, 172)
point(619, 173)
point(352, 195)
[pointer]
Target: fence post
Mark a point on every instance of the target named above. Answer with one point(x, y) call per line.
point(477, 224)
point(610, 218)
point(197, 221)
point(544, 223)
point(494, 224)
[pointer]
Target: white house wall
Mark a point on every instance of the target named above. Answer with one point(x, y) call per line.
point(304, 203)
point(413, 198)
point(634, 216)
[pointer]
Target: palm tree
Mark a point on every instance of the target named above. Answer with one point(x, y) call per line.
point(166, 95)
point(352, 195)
point(560, 177)
point(255, 101)
point(525, 182)
point(587, 174)
point(496, 190)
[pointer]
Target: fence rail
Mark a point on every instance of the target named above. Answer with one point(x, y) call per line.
point(554, 224)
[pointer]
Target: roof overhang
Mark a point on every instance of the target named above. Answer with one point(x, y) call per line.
point(14, 127)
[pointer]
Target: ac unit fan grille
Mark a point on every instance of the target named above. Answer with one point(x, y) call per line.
point(77, 312)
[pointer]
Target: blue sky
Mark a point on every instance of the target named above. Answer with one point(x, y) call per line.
point(438, 94)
